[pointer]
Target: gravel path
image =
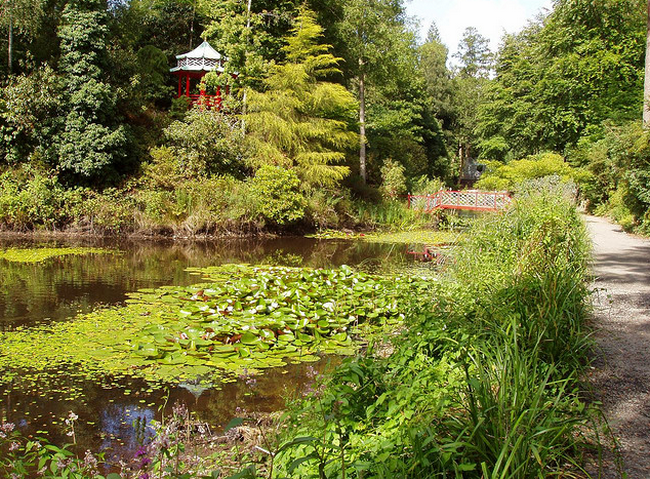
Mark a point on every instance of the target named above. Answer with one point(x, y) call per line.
point(621, 378)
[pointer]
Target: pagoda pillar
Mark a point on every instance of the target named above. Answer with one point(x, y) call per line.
point(187, 84)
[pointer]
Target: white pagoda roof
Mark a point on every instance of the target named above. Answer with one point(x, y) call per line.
point(202, 58)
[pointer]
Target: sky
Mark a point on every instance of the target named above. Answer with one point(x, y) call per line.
point(490, 17)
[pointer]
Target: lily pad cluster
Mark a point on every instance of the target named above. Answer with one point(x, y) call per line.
point(259, 317)
point(38, 255)
point(239, 318)
point(421, 236)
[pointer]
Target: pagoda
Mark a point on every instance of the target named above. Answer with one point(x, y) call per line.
point(192, 67)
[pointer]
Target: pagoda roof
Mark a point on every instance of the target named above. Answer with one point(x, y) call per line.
point(202, 58)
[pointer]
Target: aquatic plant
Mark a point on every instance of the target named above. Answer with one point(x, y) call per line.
point(38, 255)
point(241, 317)
point(420, 236)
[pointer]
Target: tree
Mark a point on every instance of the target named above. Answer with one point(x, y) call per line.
point(471, 82)
point(30, 117)
point(92, 141)
point(372, 30)
point(250, 33)
point(300, 121)
point(563, 76)
point(22, 16)
point(438, 80)
point(474, 54)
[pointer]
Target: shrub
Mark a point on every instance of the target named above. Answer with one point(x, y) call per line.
point(501, 176)
point(32, 199)
point(393, 181)
point(620, 177)
point(424, 185)
point(277, 196)
point(207, 142)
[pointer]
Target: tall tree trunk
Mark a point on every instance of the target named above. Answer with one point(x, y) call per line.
point(362, 128)
point(461, 158)
point(646, 85)
point(192, 24)
point(10, 49)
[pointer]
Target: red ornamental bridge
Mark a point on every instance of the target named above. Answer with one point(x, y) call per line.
point(473, 200)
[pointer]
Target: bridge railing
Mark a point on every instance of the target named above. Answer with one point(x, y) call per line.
point(474, 200)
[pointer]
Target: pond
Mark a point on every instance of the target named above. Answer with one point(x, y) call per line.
point(55, 290)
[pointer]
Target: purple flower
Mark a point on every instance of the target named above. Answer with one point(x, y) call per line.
point(13, 446)
point(144, 475)
point(141, 451)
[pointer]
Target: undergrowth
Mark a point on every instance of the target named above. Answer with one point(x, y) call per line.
point(484, 381)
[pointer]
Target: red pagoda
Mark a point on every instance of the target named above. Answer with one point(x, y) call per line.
point(192, 67)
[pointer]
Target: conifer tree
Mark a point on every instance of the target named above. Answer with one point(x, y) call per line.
point(301, 121)
point(91, 142)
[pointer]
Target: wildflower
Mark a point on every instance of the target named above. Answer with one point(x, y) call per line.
point(72, 416)
point(180, 410)
point(14, 446)
point(90, 461)
point(311, 372)
point(7, 426)
point(41, 471)
point(144, 475)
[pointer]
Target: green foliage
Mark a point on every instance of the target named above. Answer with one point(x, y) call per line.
point(39, 255)
point(204, 142)
point(92, 142)
point(26, 456)
point(474, 54)
point(300, 120)
point(154, 75)
point(562, 76)
point(619, 163)
point(277, 195)
point(32, 199)
point(250, 40)
point(237, 318)
point(507, 177)
point(30, 110)
point(393, 181)
point(426, 186)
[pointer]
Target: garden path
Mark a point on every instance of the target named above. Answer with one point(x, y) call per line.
point(621, 374)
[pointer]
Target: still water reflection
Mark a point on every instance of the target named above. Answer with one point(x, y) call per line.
point(58, 289)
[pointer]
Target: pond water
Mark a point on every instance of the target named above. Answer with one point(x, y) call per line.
point(60, 288)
